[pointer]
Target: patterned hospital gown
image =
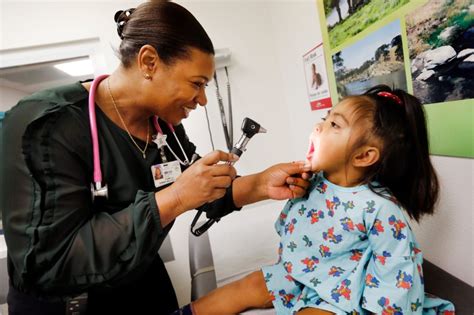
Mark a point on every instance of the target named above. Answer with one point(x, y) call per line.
point(348, 250)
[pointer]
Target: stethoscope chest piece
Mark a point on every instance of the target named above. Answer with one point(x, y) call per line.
point(99, 191)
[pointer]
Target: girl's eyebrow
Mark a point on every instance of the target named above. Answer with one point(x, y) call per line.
point(342, 116)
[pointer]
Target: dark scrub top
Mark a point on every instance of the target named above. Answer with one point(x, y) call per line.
point(60, 243)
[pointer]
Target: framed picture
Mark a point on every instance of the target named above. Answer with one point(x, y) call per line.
point(316, 78)
point(427, 49)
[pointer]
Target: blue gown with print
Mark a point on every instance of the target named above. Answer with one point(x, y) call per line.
point(348, 250)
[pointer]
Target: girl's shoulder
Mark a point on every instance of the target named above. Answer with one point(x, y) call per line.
point(384, 210)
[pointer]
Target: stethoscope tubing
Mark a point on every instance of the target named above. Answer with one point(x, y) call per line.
point(93, 126)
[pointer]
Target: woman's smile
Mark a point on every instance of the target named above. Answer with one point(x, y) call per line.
point(187, 110)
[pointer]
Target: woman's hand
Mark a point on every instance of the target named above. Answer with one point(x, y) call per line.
point(204, 181)
point(281, 181)
point(286, 180)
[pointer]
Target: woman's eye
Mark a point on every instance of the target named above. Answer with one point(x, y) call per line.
point(334, 125)
point(199, 84)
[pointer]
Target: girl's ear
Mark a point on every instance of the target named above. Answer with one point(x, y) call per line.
point(366, 156)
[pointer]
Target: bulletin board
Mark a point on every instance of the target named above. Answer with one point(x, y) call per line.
point(423, 47)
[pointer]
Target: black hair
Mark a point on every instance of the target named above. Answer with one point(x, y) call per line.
point(168, 27)
point(404, 168)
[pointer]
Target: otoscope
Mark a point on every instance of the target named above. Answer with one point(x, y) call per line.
point(249, 129)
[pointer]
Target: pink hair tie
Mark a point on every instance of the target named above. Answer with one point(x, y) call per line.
point(392, 96)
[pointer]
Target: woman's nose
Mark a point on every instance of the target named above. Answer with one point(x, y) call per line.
point(201, 98)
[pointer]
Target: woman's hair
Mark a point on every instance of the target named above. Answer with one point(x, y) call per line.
point(396, 120)
point(168, 27)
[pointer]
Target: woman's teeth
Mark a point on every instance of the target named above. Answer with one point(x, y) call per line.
point(187, 111)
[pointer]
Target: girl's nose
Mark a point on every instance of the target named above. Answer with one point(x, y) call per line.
point(318, 128)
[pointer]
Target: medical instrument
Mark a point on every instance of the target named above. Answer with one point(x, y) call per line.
point(228, 127)
point(98, 188)
point(249, 129)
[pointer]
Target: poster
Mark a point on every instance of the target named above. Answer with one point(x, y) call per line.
point(316, 78)
point(425, 47)
point(440, 42)
point(347, 18)
point(376, 59)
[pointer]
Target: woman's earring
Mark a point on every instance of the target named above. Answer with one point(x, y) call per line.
point(147, 76)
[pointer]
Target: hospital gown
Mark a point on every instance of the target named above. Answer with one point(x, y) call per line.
point(348, 250)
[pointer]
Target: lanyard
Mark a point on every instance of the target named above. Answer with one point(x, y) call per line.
point(161, 142)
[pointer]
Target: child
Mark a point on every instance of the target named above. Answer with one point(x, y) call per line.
point(347, 247)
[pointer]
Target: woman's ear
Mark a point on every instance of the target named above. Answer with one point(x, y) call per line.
point(366, 156)
point(148, 60)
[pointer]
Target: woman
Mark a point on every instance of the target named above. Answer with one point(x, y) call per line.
point(62, 242)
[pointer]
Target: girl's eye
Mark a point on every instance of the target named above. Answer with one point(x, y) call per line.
point(323, 119)
point(334, 125)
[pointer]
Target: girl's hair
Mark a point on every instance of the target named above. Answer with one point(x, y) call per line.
point(398, 122)
point(167, 26)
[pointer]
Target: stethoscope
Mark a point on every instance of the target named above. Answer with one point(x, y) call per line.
point(98, 188)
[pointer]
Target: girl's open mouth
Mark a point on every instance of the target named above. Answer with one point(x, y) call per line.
point(309, 155)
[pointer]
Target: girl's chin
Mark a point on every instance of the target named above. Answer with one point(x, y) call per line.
point(313, 167)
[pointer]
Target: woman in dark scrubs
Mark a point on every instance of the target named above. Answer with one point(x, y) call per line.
point(62, 243)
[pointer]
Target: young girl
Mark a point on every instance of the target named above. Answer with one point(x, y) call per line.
point(347, 247)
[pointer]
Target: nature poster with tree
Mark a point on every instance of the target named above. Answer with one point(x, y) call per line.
point(376, 59)
point(425, 47)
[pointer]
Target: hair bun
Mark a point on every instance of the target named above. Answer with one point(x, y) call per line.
point(117, 15)
point(121, 17)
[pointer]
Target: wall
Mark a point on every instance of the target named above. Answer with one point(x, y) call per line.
point(267, 40)
point(9, 97)
point(447, 237)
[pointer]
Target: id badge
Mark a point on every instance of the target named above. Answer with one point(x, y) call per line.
point(165, 173)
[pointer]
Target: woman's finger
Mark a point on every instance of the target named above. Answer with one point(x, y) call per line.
point(216, 156)
point(297, 191)
point(296, 181)
point(222, 170)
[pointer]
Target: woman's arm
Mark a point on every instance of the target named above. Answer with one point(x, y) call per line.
point(279, 182)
